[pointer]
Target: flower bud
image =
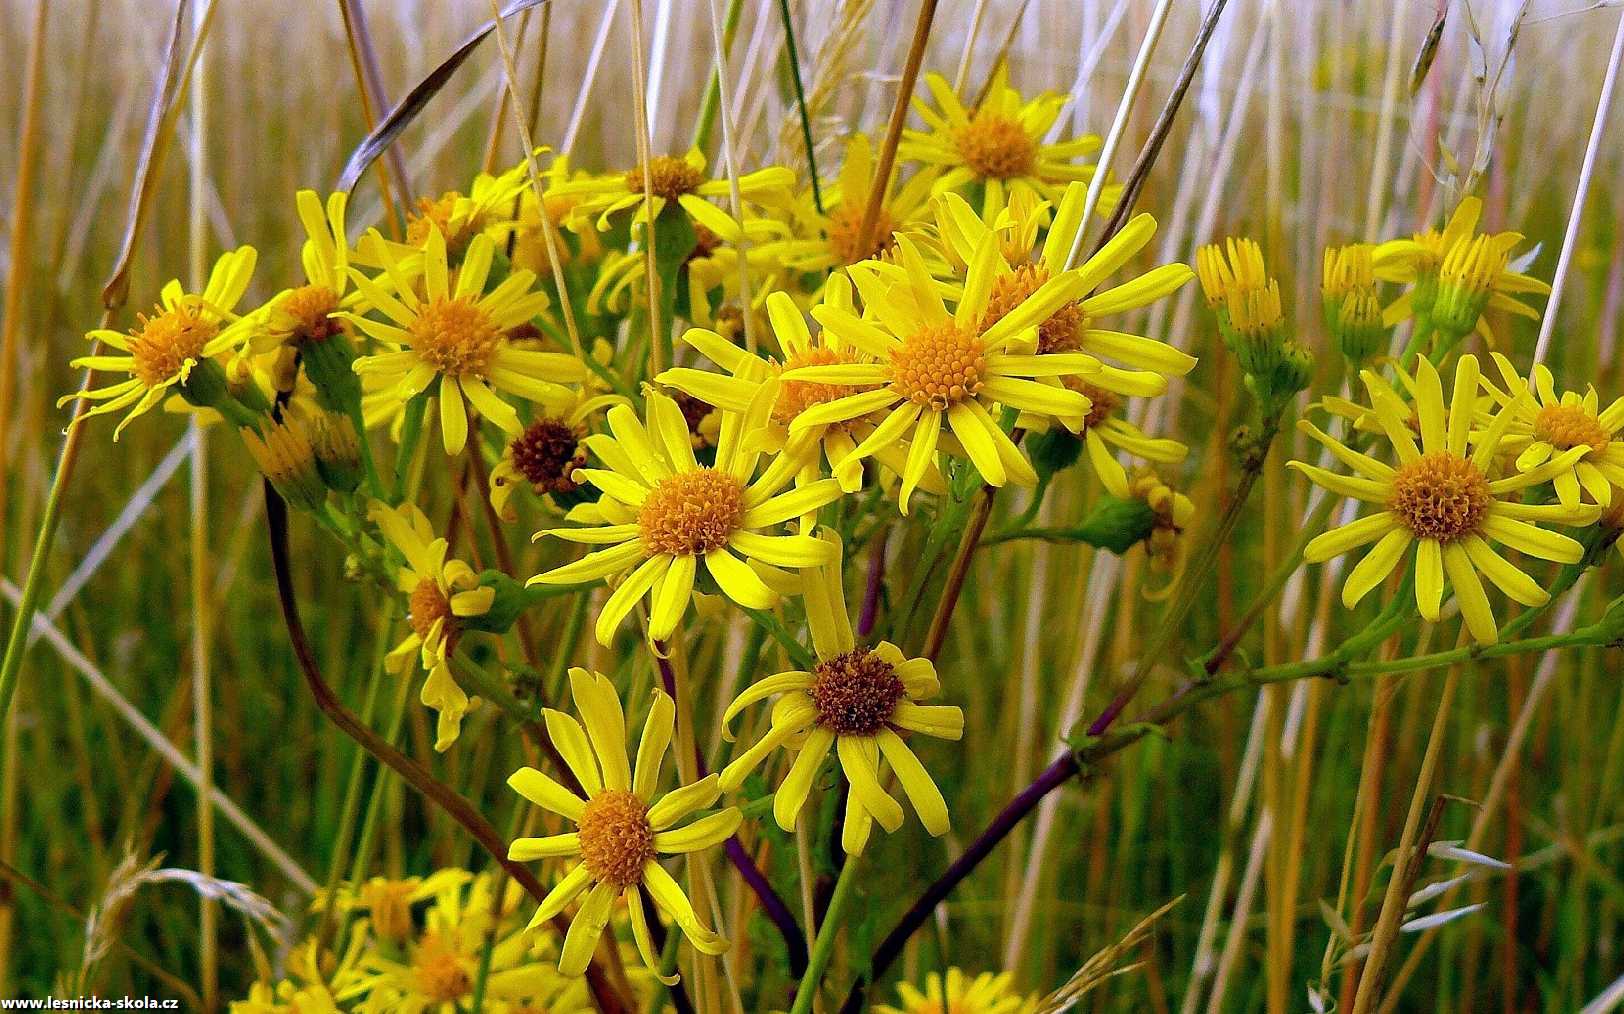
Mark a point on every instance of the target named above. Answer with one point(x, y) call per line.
point(338, 451)
point(284, 455)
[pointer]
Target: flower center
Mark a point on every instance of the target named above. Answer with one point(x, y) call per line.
point(1062, 332)
point(388, 907)
point(667, 177)
point(305, 312)
point(1567, 426)
point(938, 366)
point(846, 222)
point(166, 342)
point(440, 972)
point(547, 453)
point(996, 146)
point(796, 396)
point(1440, 496)
point(1101, 402)
point(616, 839)
point(435, 213)
point(691, 512)
point(856, 692)
point(428, 604)
point(454, 336)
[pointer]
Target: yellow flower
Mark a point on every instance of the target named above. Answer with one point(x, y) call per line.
point(1172, 511)
point(748, 373)
point(185, 333)
point(1442, 498)
point(459, 336)
point(529, 241)
point(662, 512)
point(855, 701)
point(1545, 423)
point(490, 206)
point(546, 455)
point(713, 262)
point(1455, 273)
point(999, 144)
point(303, 315)
point(1352, 306)
point(828, 239)
point(985, 994)
point(440, 593)
point(928, 366)
point(622, 826)
point(668, 178)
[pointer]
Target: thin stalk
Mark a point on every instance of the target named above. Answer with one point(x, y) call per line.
point(659, 340)
point(823, 950)
point(800, 98)
point(706, 121)
point(721, 43)
point(893, 128)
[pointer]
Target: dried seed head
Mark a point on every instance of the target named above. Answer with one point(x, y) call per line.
point(856, 692)
point(1440, 496)
point(691, 512)
point(616, 840)
point(938, 366)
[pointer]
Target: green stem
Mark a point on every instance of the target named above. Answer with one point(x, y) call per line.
point(713, 87)
point(800, 102)
point(374, 483)
point(823, 950)
point(772, 625)
point(409, 436)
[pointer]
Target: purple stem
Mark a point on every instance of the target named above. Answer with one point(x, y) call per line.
point(771, 903)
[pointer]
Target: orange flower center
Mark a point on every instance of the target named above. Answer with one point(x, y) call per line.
point(442, 974)
point(435, 213)
point(1062, 332)
point(454, 336)
point(305, 311)
point(1440, 496)
point(846, 222)
point(616, 840)
point(428, 604)
point(689, 513)
point(996, 146)
point(939, 366)
point(856, 692)
point(667, 177)
point(1568, 426)
point(166, 342)
point(547, 453)
point(796, 396)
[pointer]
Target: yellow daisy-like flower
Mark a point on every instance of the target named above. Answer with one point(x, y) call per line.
point(829, 238)
point(1441, 497)
point(622, 826)
point(668, 178)
point(662, 512)
point(459, 336)
point(387, 903)
point(529, 240)
point(855, 701)
point(929, 367)
point(437, 968)
point(184, 333)
point(999, 144)
point(303, 316)
point(1455, 273)
point(546, 455)
point(490, 206)
point(1545, 423)
point(747, 373)
point(441, 592)
point(959, 994)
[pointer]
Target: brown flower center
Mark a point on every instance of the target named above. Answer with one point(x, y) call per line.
point(1440, 496)
point(938, 366)
point(547, 453)
point(1568, 426)
point(845, 224)
point(163, 343)
point(454, 336)
point(667, 177)
point(306, 312)
point(996, 146)
point(1101, 402)
point(689, 513)
point(616, 840)
point(856, 692)
point(796, 396)
point(442, 974)
point(428, 604)
point(1062, 332)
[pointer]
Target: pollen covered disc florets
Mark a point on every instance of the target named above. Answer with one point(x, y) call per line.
point(1061, 332)
point(436, 213)
point(547, 454)
point(856, 692)
point(1567, 426)
point(996, 146)
point(455, 336)
point(1101, 403)
point(691, 512)
point(440, 971)
point(427, 604)
point(616, 839)
point(162, 343)
point(1440, 496)
point(667, 177)
point(845, 224)
point(939, 366)
point(796, 396)
point(306, 314)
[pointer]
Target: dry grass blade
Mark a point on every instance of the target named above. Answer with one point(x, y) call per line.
point(1106, 963)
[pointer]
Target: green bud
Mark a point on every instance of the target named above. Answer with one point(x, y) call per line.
point(284, 455)
point(338, 451)
point(329, 364)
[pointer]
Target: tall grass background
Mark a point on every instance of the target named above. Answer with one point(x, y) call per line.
point(1301, 129)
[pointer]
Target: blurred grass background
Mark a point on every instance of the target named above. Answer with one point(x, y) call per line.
point(1300, 130)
